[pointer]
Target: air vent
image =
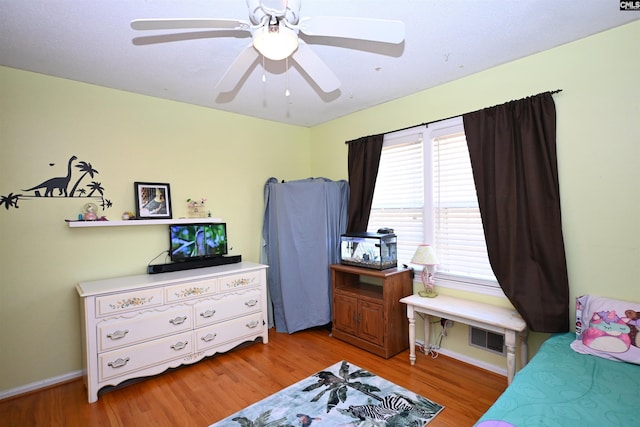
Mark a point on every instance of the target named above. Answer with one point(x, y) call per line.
point(486, 340)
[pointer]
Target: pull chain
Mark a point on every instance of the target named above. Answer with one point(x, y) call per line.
point(286, 73)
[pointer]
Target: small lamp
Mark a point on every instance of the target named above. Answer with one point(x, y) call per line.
point(275, 42)
point(425, 255)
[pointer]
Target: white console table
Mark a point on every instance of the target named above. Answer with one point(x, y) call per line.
point(490, 317)
point(137, 326)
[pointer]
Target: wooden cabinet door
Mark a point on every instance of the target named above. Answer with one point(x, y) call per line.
point(345, 313)
point(371, 322)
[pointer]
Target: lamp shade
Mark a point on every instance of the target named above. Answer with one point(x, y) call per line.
point(425, 255)
point(275, 42)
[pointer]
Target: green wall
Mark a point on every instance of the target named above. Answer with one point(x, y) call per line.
point(200, 152)
point(226, 158)
point(598, 140)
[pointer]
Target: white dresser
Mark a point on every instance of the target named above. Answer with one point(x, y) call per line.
point(136, 326)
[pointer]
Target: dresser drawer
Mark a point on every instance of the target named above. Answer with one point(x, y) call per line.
point(190, 290)
point(119, 332)
point(128, 301)
point(139, 326)
point(227, 306)
point(242, 280)
point(136, 357)
point(230, 330)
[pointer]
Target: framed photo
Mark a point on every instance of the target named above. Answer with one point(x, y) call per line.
point(153, 200)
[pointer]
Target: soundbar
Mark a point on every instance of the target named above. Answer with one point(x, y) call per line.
point(189, 265)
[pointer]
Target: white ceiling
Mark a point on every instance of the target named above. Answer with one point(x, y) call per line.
point(91, 41)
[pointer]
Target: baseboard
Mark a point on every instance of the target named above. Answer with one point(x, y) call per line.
point(466, 359)
point(28, 388)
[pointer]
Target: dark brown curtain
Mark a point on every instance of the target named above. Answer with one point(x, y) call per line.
point(513, 155)
point(363, 162)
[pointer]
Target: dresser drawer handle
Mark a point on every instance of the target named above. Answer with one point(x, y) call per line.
point(251, 302)
point(209, 337)
point(179, 345)
point(118, 363)
point(208, 313)
point(117, 334)
point(178, 320)
point(253, 324)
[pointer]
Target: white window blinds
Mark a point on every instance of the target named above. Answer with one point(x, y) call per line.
point(459, 236)
point(398, 200)
point(426, 193)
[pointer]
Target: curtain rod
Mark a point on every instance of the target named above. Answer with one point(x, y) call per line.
point(552, 92)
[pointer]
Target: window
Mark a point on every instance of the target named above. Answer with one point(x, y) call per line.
point(426, 193)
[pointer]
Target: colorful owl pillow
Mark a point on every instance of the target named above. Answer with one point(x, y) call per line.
point(608, 328)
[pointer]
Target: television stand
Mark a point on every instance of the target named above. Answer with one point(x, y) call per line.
point(190, 265)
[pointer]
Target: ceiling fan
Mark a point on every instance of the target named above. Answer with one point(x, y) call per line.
point(274, 26)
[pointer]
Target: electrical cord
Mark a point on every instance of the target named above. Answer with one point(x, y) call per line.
point(157, 256)
point(432, 349)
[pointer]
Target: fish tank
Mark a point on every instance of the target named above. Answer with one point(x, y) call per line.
point(369, 250)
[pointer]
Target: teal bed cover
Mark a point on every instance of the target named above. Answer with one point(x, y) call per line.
point(560, 387)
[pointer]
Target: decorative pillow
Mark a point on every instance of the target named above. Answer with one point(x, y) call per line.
point(608, 328)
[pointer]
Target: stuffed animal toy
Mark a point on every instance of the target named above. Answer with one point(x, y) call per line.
point(634, 324)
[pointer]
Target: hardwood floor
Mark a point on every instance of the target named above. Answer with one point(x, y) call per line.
point(206, 392)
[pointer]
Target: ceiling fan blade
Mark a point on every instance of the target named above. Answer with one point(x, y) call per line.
point(315, 68)
point(237, 70)
point(181, 24)
point(377, 30)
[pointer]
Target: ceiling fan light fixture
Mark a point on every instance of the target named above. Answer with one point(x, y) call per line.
point(275, 43)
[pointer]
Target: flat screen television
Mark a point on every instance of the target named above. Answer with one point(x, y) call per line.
point(190, 242)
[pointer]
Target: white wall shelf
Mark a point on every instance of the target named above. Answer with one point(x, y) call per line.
point(78, 224)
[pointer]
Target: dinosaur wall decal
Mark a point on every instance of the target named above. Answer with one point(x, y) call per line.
point(61, 183)
point(93, 190)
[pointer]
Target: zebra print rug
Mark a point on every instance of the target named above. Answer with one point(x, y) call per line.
point(340, 395)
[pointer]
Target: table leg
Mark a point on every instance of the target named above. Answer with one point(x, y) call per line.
point(524, 349)
point(510, 343)
point(412, 334)
point(427, 333)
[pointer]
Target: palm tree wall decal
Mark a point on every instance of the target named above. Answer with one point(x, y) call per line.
point(95, 186)
point(87, 169)
point(10, 201)
point(61, 184)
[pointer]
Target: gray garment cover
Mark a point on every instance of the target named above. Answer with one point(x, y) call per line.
point(303, 221)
